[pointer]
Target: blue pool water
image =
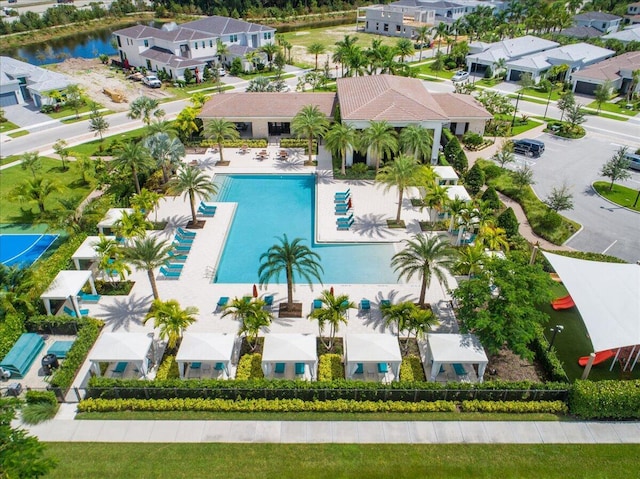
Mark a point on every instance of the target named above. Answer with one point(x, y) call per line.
point(23, 249)
point(270, 206)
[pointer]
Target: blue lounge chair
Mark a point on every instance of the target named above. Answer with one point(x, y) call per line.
point(342, 194)
point(181, 248)
point(346, 219)
point(342, 209)
point(70, 312)
point(279, 369)
point(208, 204)
point(385, 302)
point(345, 226)
point(173, 266)
point(206, 212)
point(268, 300)
point(317, 304)
point(299, 368)
point(182, 241)
point(219, 367)
point(186, 233)
point(177, 258)
point(196, 365)
point(88, 298)
point(365, 305)
point(382, 368)
point(222, 302)
point(120, 368)
point(359, 369)
point(459, 369)
point(167, 273)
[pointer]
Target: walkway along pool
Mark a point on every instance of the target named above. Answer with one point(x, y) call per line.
point(270, 206)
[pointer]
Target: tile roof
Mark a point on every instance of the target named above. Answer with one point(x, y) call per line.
point(513, 48)
point(217, 25)
point(630, 34)
point(580, 32)
point(610, 69)
point(265, 105)
point(180, 34)
point(599, 16)
point(38, 79)
point(386, 97)
point(165, 56)
point(456, 106)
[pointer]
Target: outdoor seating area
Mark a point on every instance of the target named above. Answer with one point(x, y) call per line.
point(65, 290)
point(290, 356)
point(206, 355)
point(372, 357)
point(127, 354)
point(451, 357)
point(207, 209)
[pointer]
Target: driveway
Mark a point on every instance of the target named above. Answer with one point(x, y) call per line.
point(607, 228)
point(28, 116)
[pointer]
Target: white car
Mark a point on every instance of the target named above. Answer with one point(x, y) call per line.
point(460, 76)
point(222, 72)
point(151, 81)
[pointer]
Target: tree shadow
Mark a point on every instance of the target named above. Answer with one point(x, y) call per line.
point(372, 226)
point(125, 311)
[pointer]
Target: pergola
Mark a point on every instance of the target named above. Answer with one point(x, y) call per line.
point(87, 250)
point(453, 349)
point(122, 348)
point(607, 296)
point(366, 353)
point(206, 348)
point(293, 349)
point(111, 218)
point(67, 285)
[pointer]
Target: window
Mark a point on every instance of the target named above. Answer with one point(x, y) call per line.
point(210, 43)
point(195, 45)
point(148, 64)
point(119, 42)
point(202, 44)
point(146, 43)
point(267, 36)
point(398, 28)
point(233, 38)
point(386, 27)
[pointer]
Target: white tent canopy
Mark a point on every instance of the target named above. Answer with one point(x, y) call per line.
point(607, 296)
point(87, 250)
point(454, 349)
point(122, 347)
point(67, 285)
point(208, 348)
point(363, 349)
point(290, 349)
point(112, 217)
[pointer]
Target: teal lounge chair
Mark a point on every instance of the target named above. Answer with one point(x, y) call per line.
point(173, 266)
point(385, 302)
point(181, 248)
point(299, 368)
point(120, 368)
point(346, 219)
point(459, 369)
point(317, 304)
point(222, 302)
point(70, 312)
point(88, 298)
point(365, 306)
point(186, 233)
point(342, 194)
point(345, 226)
point(177, 258)
point(268, 300)
point(183, 241)
point(383, 368)
point(359, 369)
point(279, 369)
point(169, 274)
point(219, 367)
point(206, 212)
point(341, 210)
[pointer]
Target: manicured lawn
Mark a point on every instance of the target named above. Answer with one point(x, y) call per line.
point(18, 134)
point(64, 111)
point(328, 36)
point(90, 148)
point(6, 126)
point(555, 95)
point(530, 100)
point(194, 461)
point(620, 195)
point(185, 93)
point(517, 127)
point(426, 70)
point(613, 108)
point(9, 159)
point(10, 211)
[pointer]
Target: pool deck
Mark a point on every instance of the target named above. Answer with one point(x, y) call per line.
point(195, 288)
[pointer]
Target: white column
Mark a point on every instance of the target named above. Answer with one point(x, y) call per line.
point(481, 368)
point(76, 261)
point(76, 306)
point(435, 369)
point(437, 134)
point(47, 305)
point(93, 285)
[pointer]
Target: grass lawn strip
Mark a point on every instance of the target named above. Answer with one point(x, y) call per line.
point(612, 108)
point(18, 134)
point(91, 147)
point(195, 461)
point(7, 126)
point(620, 195)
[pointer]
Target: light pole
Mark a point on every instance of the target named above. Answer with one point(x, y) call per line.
point(513, 120)
point(548, 101)
point(557, 329)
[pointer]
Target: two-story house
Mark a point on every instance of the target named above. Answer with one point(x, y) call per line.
point(604, 22)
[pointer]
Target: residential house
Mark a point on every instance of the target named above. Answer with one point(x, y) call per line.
point(484, 55)
point(633, 13)
point(22, 83)
point(618, 70)
point(629, 34)
point(604, 22)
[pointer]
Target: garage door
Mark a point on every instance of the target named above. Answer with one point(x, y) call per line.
point(585, 88)
point(8, 99)
point(515, 75)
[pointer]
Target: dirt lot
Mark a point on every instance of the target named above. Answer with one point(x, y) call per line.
point(510, 367)
point(94, 77)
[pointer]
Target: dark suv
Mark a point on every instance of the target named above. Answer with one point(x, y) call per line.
point(531, 148)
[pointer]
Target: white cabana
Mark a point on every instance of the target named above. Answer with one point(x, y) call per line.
point(87, 250)
point(446, 175)
point(455, 349)
point(607, 296)
point(290, 356)
point(372, 356)
point(124, 349)
point(458, 191)
point(206, 350)
point(111, 218)
point(66, 286)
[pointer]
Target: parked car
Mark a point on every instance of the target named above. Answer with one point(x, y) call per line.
point(634, 160)
point(527, 147)
point(222, 72)
point(460, 76)
point(151, 81)
point(13, 1)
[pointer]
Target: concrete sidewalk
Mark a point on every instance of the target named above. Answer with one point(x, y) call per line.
point(65, 429)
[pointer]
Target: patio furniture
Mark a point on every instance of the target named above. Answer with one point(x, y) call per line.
point(173, 266)
point(268, 300)
point(359, 369)
point(345, 226)
point(70, 312)
point(279, 369)
point(207, 210)
point(181, 248)
point(186, 233)
point(88, 298)
point(184, 241)
point(459, 369)
point(120, 368)
point(385, 302)
point(342, 209)
point(219, 367)
point(299, 369)
point(317, 304)
point(346, 219)
point(177, 257)
point(222, 302)
point(383, 368)
point(169, 274)
point(343, 194)
point(365, 306)
point(196, 365)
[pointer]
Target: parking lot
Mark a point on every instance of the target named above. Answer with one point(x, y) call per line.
point(607, 228)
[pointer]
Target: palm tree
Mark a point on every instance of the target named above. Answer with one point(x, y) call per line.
point(440, 32)
point(35, 190)
point(133, 156)
point(402, 173)
point(221, 49)
point(422, 37)
point(416, 140)
point(294, 259)
point(187, 122)
point(144, 107)
point(345, 49)
point(162, 126)
point(146, 201)
point(171, 319)
point(455, 207)
point(316, 48)
point(166, 150)
point(148, 253)
point(340, 139)
point(425, 258)
point(31, 161)
point(132, 225)
point(309, 122)
point(404, 48)
point(270, 49)
point(252, 317)
point(110, 257)
point(470, 259)
point(220, 130)
point(407, 317)
point(192, 182)
point(333, 312)
point(493, 237)
point(436, 197)
point(16, 285)
point(380, 139)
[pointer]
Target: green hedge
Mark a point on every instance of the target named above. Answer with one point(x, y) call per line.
point(552, 407)
point(411, 369)
point(261, 405)
point(299, 143)
point(168, 369)
point(253, 143)
point(10, 331)
point(250, 367)
point(548, 359)
point(605, 399)
point(87, 336)
point(33, 397)
point(330, 367)
point(60, 325)
point(604, 258)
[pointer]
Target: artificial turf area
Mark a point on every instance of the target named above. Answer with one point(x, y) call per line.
point(229, 461)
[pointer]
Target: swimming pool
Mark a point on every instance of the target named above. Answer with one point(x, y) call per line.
point(270, 206)
point(23, 249)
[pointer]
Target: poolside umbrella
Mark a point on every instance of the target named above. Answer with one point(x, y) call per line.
point(255, 291)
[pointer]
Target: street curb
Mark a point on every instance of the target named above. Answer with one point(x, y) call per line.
point(612, 202)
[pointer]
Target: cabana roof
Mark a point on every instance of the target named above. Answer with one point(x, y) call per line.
point(129, 347)
point(112, 217)
point(607, 296)
point(66, 284)
point(87, 250)
point(289, 348)
point(456, 348)
point(201, 347)
point(367, 348)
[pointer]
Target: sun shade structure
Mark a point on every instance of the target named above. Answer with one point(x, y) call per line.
point(453, 349)
point(112, 217)
point(122, 348)
point(607, 296)
point(285, 352)
point(87, 250)
point(66, 286)
point(367, 352)
point(205, 348)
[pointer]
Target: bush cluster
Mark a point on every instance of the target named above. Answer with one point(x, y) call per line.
point(34, 397)
point(298, 143)
point(411, 369)
point(250, 367)
point(262, 405)
point(330, 367)
point(252, 143)
point(10, 331)
point(168, 369)
point(605, 399)
point(548, 359)
point(551, 407)
point(87, 336)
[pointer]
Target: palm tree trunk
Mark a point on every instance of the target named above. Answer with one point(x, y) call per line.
point(332, 336)
point(135, 178)
point(41, 204)
point(423, 291)
point(344, 162)
point(289, 289)
point(165, 173)
point(192, 200)
point(220, 150)
point(310, 148)
point(400, 194)
point(154, 286)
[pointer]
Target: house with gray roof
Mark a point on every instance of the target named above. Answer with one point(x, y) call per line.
point(488, 55)
point(629, 34)
point(22, 82)
point(605, 22)
point(618, 70)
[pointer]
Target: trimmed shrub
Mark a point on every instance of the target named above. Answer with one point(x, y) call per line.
point(35, 413)
point(34, 397)
point(551, 407)
point(252, 143)
point(491, 197)
point(507, 220)
point(605, 399)
point(10, 331)
point(411, 369)
point(491, 171)
point(474, 179)
point(168, 369)
point(472, 140)
point(250, 367)
point(299, 143)
point(330, 367)
point(548, 359)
